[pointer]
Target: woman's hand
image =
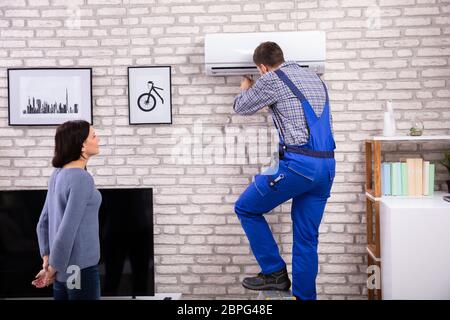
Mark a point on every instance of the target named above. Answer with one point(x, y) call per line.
point(45, 262)
point(50, 275)
point(38, 281)
point(45, 277)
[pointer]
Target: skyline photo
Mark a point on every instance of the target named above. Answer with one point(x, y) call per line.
point(49, 95)
point(38, 106)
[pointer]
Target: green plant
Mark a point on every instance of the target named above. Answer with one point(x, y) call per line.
point(415, 132)
point(446, 160)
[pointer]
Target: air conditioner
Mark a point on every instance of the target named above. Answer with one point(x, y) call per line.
point(232, 53)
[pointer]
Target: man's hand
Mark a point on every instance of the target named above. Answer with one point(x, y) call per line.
point(246, 83)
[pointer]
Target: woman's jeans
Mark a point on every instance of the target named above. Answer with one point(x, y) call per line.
point(89, 288)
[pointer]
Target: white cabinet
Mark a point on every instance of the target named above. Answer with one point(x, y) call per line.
point(415, 247)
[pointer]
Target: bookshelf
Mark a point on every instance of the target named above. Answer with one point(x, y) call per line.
point(374, 196)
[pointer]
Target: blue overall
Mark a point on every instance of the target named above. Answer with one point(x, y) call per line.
point(305, 175)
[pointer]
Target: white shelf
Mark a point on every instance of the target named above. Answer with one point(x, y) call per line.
point(435, 198)
point(414, 248)
point(411, 138)
point(425, 202)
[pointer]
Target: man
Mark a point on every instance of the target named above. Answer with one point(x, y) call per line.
point(299, 105)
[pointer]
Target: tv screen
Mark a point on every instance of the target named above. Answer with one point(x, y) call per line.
point(126, 241)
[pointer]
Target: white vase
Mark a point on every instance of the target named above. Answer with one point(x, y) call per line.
point(389, 127)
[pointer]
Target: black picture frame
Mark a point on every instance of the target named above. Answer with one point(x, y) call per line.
point(149, 95)
point(36, 96)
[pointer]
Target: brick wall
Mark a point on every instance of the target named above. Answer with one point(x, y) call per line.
point(376, 50)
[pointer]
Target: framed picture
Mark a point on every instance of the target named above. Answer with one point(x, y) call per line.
point(149, 95)
point(49, 96)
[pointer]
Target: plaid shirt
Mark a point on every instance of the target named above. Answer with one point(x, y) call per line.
point(284, 106)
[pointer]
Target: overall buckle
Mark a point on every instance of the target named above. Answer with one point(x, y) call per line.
point(281, 151)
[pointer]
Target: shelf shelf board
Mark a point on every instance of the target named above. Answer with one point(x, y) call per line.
point(371, 250)
point(411, 138)
point(437, 195)
point(427, 202)
point(371, 196)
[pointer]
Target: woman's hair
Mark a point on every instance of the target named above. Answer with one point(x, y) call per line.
point(69, 140)
point(268, 53)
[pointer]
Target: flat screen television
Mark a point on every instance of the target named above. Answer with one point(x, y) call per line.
point(126, 243)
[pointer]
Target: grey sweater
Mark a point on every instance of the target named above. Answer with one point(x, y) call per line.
point(68, 228)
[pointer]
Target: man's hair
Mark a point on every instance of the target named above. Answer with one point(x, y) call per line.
point(69, 140)
point(269, 54)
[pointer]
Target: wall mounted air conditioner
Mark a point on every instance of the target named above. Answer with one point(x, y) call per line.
point(232, 53)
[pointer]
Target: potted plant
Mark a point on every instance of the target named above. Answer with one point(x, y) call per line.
point(416, 127)
point(446, 163)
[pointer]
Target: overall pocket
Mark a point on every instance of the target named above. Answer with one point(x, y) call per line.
point(306, 170)
point(267, 183)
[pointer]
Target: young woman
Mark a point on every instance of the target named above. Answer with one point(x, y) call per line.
point(67, 230)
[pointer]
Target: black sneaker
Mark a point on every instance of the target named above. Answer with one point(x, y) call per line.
point(278, 280)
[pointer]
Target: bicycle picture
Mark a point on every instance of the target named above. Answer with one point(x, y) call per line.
point(147, 101)
point(150, 95)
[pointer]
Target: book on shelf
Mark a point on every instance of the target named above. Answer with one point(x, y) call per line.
point(426, 178)
point(396, 179)
point(404, 174)
point(418, 171)
point(386, 179)
point(431, 181)
point(411, 176)
point(414, 177)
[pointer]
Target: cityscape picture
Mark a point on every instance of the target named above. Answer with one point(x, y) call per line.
point(36, 105)
point(49, 96)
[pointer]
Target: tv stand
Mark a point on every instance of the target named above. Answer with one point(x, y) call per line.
point(157, 296)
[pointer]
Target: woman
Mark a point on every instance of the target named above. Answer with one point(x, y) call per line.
point(67, 230)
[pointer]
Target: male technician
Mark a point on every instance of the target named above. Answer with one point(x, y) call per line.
point(298, 102)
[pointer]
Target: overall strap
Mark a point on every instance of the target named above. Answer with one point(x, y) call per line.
point(326, 94)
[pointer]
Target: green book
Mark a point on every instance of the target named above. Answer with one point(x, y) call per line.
point(404, 179)
point(396, 179)
point(431, 180)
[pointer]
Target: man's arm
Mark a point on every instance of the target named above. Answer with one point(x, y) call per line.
point(258, 96)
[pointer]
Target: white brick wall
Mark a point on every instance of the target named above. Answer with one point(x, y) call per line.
point(376, 50)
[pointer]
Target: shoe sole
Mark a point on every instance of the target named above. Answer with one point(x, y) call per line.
point(278, 287)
